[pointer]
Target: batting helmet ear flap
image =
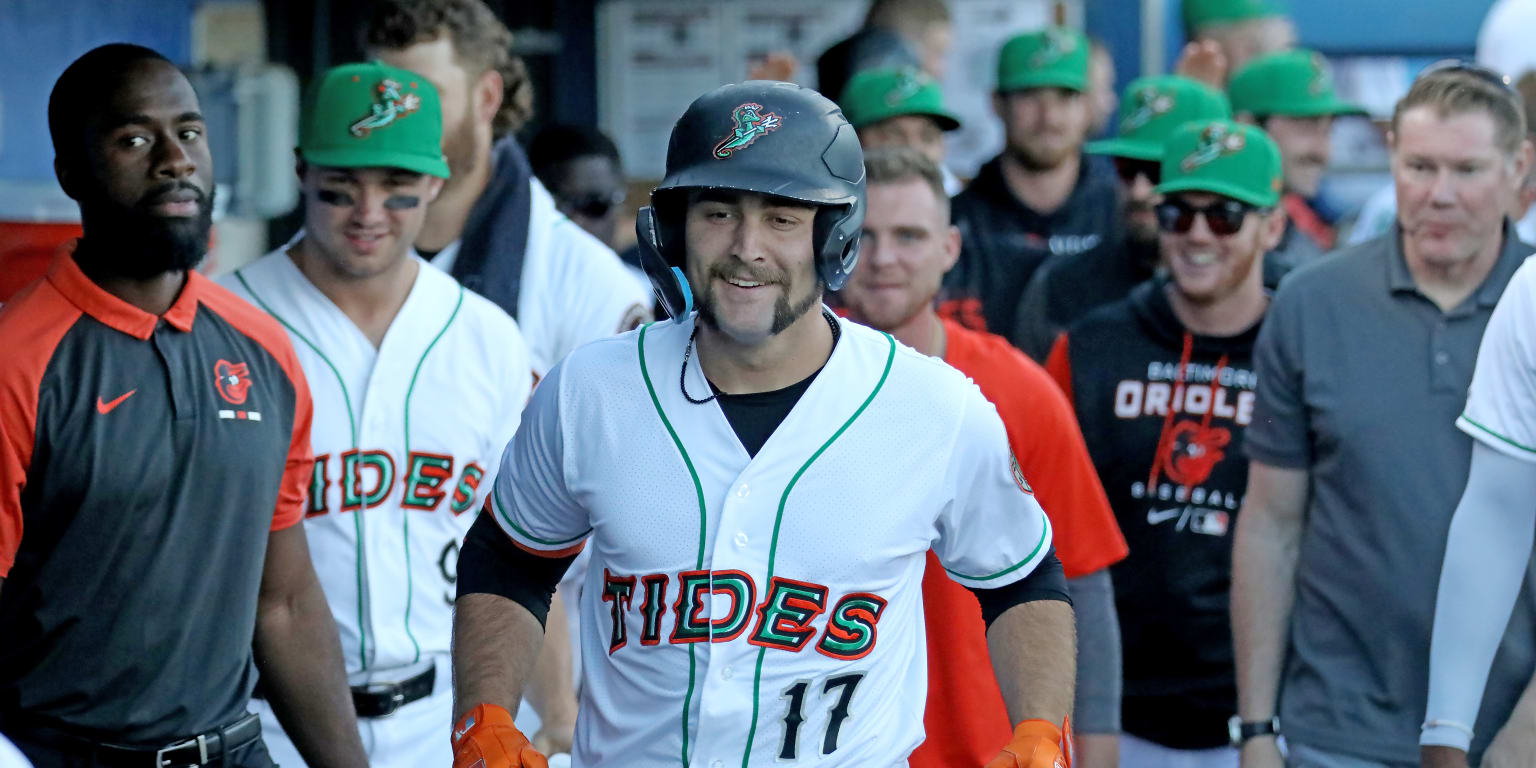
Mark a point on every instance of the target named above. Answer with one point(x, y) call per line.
point(667, 279)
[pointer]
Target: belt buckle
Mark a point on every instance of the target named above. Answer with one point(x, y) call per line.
point(392, 694)
point(201, 742)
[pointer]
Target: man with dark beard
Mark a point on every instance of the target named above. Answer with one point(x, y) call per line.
point(153, 464)
point(1041, 197)
point(1067, 288)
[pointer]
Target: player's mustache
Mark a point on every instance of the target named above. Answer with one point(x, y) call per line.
point(746, 272)
point(173, 191)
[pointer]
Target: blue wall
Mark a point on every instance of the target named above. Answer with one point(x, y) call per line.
point(39, 38)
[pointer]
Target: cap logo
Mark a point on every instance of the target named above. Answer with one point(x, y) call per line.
point(907, 86)
point(1215, 141)
point(390, 106)
point(752, 123)
point(1057, 45)
point(1322, 79)
point(1148, 105)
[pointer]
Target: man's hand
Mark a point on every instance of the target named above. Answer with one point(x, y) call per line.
point(1445, 757)
point(554, 737)
point(1205, 62)
point(1036, 744)
point(1262, 752)
point(486, 738)
point(777, 65)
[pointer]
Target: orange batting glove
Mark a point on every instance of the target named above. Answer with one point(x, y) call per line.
point(486, 738)
point(1037, 744)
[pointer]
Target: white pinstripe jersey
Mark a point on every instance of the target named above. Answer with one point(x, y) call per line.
point(758, 609)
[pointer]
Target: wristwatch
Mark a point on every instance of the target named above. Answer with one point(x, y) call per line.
point(1240, 732)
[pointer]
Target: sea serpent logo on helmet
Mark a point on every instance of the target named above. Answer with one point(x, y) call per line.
point(1215, 141)
point(391, 106)
point(752, 123)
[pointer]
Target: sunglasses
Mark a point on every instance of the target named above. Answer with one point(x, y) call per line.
point(339, 199)
point(1129, 168)
point(1223, 217)
point(594, 206)
point(1492, 77)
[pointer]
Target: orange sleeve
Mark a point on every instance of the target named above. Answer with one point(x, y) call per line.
point(1059, 365)
point(30, 329)
point(1050, 447)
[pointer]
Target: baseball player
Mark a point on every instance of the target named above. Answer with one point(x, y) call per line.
point(418, 384)
point(1488, 551)
point(761, 482)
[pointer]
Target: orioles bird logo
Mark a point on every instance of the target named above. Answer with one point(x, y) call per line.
point(1216, 140)
point(1193, 451)
point(751, 124)
point(233, 381)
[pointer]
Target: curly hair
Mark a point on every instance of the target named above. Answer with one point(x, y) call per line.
point(480, 42)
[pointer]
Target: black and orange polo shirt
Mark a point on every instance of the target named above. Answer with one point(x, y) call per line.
point(143, 461)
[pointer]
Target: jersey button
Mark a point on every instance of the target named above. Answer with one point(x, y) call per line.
point(717, 764)
point(743, 491)
point(727, 673)
point(741, 538)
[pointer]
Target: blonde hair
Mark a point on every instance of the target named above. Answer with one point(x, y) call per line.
point(1454, 92)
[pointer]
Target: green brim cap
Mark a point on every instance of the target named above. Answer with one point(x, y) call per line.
point(1199, 13)
point(878, 94)
point(373, 116)
point(1153, 108)
point(1288, 83)
point(1225, 158)
point(1055, 57)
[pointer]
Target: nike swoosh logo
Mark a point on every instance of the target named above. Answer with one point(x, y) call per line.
point(1162, 516)
point(104, 408)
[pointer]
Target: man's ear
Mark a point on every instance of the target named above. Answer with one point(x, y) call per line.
point(1000, 105)
point(952, 242)
point(1274, 229)
point(67, 175)
point(434, 187)
point(487, 96)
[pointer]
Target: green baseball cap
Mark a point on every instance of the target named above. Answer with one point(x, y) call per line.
point(1054, 57)
point(1288, 83)
point(373, 116)
point(1152, 108)
point(1199, 13)
point(1225, 158)
point(877, 94)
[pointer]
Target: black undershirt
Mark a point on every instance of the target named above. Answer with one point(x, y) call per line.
point(755, 416)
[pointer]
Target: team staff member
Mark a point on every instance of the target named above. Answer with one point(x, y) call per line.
point(748, 482)
point(1163, 387)
point(1069, 287)
point(494, 227)
point(1040, 197)
point(1363, 365)
point(153, 465)
point(906, 246)
point(901, 108)
point(1290, 95)
point(406, 437)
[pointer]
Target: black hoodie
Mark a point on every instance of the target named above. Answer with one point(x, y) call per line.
point(1175, 478)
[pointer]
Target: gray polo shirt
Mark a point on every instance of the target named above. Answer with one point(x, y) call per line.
point(1361, 378)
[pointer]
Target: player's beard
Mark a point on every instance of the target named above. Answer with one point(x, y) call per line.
point(129, 241)
point(784, 313)
point(459, 146)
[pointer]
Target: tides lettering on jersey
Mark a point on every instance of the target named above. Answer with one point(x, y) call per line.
point(367, 479)
point(783, 619)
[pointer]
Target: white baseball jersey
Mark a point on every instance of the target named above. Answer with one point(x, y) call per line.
point(1501, 404)
point(759, 609)
point(406, 439)
point(574, 290)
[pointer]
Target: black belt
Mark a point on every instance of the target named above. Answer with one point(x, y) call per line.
point(209, 748)
point(383, 699)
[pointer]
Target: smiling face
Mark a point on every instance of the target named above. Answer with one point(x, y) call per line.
point(1454, 184)
point(145, 180)
point(906, 247)
point(1306, 144)
point(750, 262)
point(1208, 267)
point(361, 221)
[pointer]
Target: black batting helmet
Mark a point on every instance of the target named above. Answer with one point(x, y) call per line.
point(761, 136)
